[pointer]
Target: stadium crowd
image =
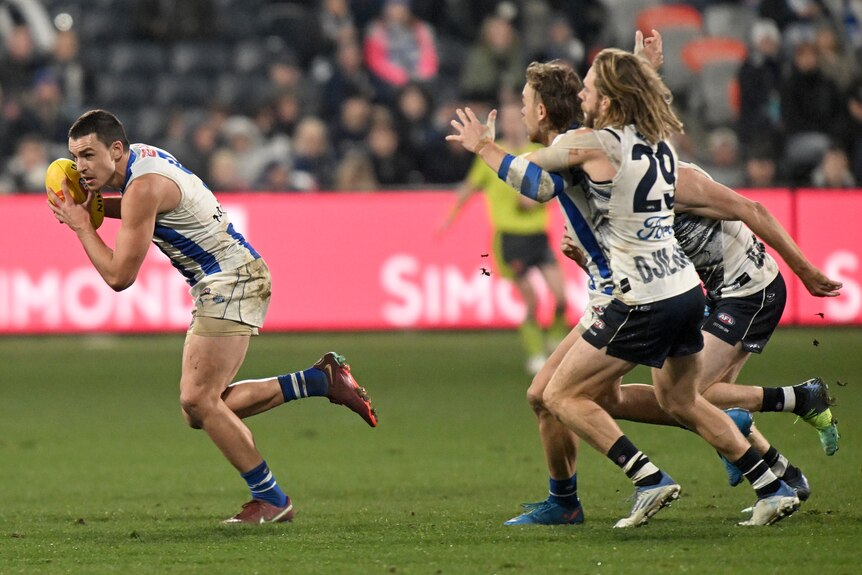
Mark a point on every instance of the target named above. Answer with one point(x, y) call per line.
point(356, 95)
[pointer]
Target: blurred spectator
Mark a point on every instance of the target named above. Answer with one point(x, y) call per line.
point(242, 137)
point(75, 81)
point(336, 24)
point(43, 111)
point(761, 170)
point(723, 162)
point(285, 72)
point(448, 162)
point(25, 171)
point(849, 18)
point(222, 175)
point(393, 167)
point(413, 120)
point(810, 109)
point(760, 82)
point(312, 155)
point(353, 124)
point(795, 17)
point(838, 63)
point(277, 176)
point(399, 47)
point(852, 135)
point(494, 63)
point(589, 19)
point(172, 21)
point(833, 170)
point(176, 136)
point(561, 44)
point(19, 62)
point(349, 78)
point(355, 173)
point(203, 141)
point(8, 115)
point(287, 112)
point(33, 16)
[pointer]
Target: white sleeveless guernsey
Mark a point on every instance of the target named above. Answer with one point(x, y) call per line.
point(633, 215)
point(729, 258)
point(197, 235)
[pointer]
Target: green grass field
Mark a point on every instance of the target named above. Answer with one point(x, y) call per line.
point(98, 473)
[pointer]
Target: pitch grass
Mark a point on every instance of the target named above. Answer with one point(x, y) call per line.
point(99, 475)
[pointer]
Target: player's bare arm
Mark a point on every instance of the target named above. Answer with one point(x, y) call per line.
point(700, 195)
point(145, 198)
point(576, 149)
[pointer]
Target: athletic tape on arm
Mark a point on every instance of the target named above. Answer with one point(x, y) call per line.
point(529, 179)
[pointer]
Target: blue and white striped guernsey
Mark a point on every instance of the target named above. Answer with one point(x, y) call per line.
point(197, 235)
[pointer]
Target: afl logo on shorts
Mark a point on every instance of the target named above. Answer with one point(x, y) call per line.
point(598, 325)
point(726, 318)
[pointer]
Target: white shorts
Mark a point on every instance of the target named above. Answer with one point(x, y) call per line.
point(241, 295)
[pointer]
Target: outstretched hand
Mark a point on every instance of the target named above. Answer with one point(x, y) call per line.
point(649, 48)
point(472, 134)
point(819, 285)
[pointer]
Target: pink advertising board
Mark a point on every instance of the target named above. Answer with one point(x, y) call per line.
point(357, 262)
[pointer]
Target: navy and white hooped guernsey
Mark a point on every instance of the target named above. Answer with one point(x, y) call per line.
point(197, 235)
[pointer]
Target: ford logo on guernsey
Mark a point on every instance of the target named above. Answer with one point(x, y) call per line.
point(726, 318)
point(656, 228)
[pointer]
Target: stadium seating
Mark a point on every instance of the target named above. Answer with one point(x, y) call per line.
point(729, 20)
point(678, 24)
point(715, 62)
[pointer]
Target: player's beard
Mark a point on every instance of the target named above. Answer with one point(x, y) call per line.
point(590, 116)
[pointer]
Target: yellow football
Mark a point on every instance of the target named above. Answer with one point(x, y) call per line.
point(64, 169)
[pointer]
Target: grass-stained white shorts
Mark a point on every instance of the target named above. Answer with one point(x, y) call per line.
point(232, 302)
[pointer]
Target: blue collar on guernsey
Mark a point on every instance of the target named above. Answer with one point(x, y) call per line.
point(132, 157)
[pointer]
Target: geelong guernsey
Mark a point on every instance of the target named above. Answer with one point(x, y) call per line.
point(633, 216)
point(729, 258)
point(197, 235)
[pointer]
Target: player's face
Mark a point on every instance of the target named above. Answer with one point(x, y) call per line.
point(530, 112)
point(95, 162)
point(590, 100)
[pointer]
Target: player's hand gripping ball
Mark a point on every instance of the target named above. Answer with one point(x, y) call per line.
point(65, 169)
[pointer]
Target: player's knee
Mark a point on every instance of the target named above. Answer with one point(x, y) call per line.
point(552, 399)
point(673, 404)
point(195, 405)
point(191, 421)
point(535, 394)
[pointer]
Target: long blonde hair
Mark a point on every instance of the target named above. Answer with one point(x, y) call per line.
point(637, 95)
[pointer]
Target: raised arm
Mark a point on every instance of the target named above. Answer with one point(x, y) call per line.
point(524, 176)
point(698, 194)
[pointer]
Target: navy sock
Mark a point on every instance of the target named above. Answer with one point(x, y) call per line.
point(311, 382)
point(634, 463)
point(758, 473)
point(262, 484)
point(773, 399)
point(564, 491)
